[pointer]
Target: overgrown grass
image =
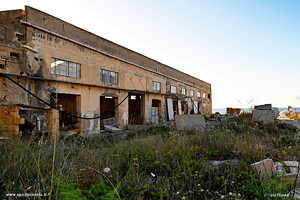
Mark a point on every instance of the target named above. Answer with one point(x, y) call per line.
point(154, 164)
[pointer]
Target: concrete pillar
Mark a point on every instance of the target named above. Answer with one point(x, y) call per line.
point(52, 122)
point(10, 121)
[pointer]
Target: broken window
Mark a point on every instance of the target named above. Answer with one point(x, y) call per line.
point(173, 89)
point(109, 76)
point(65, 68)
point(155, 86)
point(183, 91)
point(14, 55)
point(208, 96)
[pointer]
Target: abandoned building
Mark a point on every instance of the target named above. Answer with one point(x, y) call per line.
point(88, 76)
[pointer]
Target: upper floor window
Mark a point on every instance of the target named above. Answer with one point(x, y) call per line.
point(192, 93)
point(155, 86)
point(208, 96)
point(198, 94)
point(108, 76)
point(173, 89)
point(65, 68)
point(183, 91)
point(203, 95)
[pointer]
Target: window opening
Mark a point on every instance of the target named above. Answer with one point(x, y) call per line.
point(191, 93)
point(155, 86)
point(65, 68)
point(173, 89)
point(108, 76)
point(183, 91)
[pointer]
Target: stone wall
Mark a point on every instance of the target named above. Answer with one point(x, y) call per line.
point(10, 121)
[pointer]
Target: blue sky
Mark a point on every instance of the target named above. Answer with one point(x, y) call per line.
point(247, 49)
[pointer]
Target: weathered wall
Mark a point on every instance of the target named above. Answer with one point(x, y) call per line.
point(56, 25)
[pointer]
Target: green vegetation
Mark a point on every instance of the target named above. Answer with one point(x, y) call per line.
point(153, 164)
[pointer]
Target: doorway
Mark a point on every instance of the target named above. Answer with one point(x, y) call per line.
point(107, 104)
point(136, 108)
point(155, 111)
point(70, 104)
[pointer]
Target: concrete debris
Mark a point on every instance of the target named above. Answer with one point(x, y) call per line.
point(217, 163)
point(295, 123)
point(218, 117)
point(286, 167)
point(190, 122)
point(112, 129)
point(295, 193)
point(263, 107)
point(287, 170)
point(110, 122)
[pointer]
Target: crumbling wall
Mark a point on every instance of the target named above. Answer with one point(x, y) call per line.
point(34, 59)
point(10, 121)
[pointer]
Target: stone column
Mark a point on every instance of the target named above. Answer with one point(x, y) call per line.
point(52, 122)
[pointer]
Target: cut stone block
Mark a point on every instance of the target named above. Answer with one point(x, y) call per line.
point(190, 122)
point(265, 167)
point(233, 110)
point(9, 121)
point(19, 121)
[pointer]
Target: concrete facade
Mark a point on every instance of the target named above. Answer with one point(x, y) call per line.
point(33, 43)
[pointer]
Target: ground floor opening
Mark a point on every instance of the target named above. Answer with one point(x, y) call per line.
point(70, 104)
point(136, 108)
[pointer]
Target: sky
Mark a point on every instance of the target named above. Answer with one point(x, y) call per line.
point(248, 50)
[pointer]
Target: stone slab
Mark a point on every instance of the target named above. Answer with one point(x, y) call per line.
point(263, 107)
point(112, 129)
point(292, 122)
point(264, 167)
point(190, 122)
point(266, 116)
point(291, 167)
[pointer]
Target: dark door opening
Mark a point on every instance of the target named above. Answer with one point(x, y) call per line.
point(184, 107)
point(175, 107)
point(136, 109)
point(107, 103)
point(69, 104)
